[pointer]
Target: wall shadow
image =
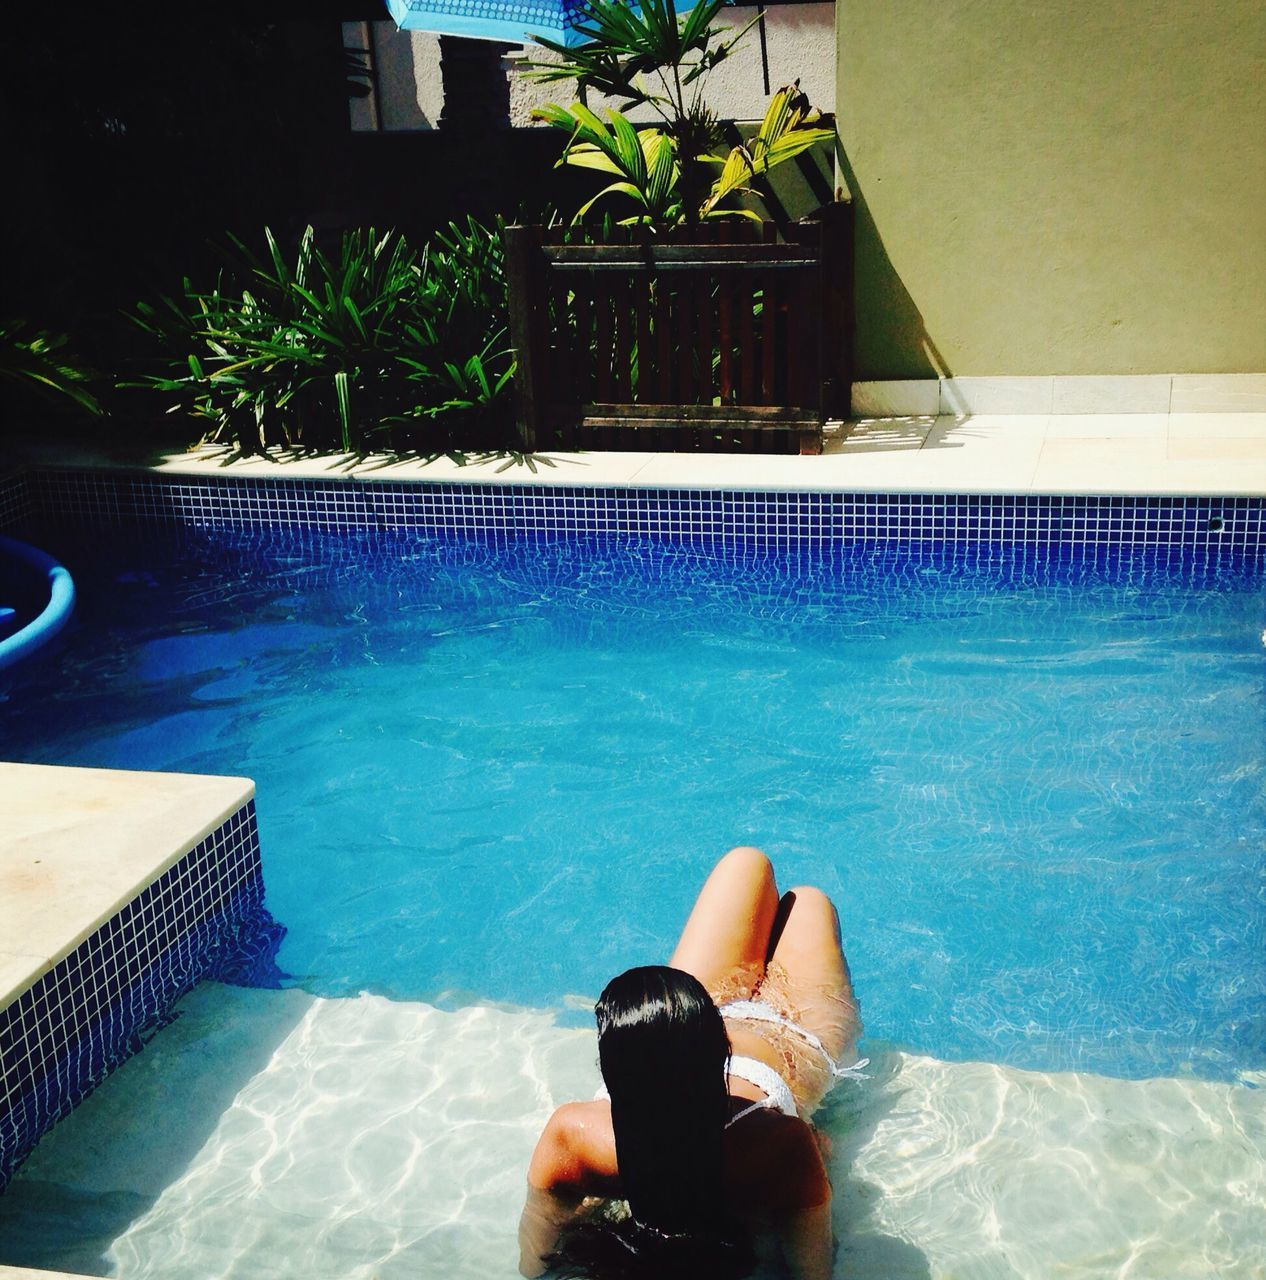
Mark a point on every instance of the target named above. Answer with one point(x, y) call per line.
point(892, 341)
point(914, 433)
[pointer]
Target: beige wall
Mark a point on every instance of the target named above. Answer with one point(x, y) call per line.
point(1056, 187)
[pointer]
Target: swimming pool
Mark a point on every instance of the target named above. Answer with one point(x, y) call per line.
point(492, 772)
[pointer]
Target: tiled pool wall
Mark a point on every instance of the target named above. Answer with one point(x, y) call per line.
point(15, 499)
point(688, 515)
point(201, 918)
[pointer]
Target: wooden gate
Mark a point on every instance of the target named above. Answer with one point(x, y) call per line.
point(716, 337)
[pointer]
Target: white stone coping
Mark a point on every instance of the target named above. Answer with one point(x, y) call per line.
point(77, 844)
point(1090, 454)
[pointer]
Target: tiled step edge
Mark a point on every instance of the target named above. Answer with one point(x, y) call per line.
point(1058, 394)
point(62, 1032)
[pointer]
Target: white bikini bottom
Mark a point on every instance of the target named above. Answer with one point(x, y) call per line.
point(778, 1093)
point(763, 1076)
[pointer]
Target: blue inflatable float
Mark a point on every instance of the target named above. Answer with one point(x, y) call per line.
point(36, 599)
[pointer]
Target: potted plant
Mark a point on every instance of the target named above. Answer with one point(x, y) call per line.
point(664, 310)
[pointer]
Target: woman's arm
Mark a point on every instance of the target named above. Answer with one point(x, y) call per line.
point(808, 1243)
point(554, 1197)
point(803, 1218)
point(544, 1216)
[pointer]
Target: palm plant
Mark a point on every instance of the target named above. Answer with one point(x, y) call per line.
point(370, 347)
point(651, 57)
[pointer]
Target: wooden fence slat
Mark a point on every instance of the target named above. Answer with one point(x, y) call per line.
point(801, 345)
point(661, 256)
point(701, 311)
point(764, 414)
point(684, 356)
point(749, 438)
point(661, 387)
point(622, 351)
point(815, 348)
point(835, 310)
point(645, 342)
point(688, 329)
point(704, 344)
point(674, 381)
point(768, 341)
point(746, 341)
point(522, 247)
point(557, 337)
point(583, 363)
point(725, 336)
point(804, 351)
point(603, 326)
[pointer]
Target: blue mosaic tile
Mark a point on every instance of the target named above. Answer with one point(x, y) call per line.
point(15, 500)
point(493, 511)
point(204, 917)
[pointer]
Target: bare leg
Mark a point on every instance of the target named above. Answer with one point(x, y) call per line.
point(808, 971)
point(727, 935)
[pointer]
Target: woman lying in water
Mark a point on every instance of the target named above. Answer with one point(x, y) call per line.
point(705, 1135)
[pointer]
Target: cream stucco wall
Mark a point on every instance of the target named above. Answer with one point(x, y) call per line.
point(1061, 188)
point(800, 39)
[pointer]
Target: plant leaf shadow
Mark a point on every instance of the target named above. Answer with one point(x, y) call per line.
point(915, 434)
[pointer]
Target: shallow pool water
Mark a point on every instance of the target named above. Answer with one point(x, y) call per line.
point(1035, 788)
point(371, 1139)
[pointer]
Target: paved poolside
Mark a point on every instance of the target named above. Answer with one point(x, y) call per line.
point(1117, 453)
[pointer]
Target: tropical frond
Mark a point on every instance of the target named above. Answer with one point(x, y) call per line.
point(788, 129)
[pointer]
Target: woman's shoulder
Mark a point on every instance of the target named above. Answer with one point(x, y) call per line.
point(576, 1147)
point(775, 1163)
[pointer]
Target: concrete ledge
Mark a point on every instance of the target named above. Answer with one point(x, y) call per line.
point(901, 441)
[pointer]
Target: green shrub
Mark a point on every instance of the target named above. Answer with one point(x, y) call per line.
point(373, 348)
point(35, 364)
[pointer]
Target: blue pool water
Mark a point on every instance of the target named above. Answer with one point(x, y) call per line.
point(1034, 785)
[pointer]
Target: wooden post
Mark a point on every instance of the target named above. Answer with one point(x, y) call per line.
point(523, 271)
point(476, 86)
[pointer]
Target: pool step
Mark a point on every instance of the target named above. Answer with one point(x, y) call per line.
point(276, 1134)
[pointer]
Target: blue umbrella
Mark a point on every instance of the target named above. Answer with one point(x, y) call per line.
point(515, 21)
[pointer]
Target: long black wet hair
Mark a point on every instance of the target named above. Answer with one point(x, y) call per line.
point(663, 1052)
